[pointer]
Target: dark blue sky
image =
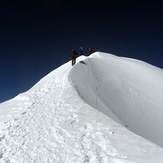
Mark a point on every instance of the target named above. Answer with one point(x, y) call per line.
point(37, 37)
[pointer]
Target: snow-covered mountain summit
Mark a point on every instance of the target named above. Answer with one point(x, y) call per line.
point(85, 114)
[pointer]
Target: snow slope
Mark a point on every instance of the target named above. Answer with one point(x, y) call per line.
point(131, 89)
point(52, 123)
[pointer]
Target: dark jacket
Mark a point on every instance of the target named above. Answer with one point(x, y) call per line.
point(74, 54)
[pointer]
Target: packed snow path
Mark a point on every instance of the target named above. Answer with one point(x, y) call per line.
point(51, 124)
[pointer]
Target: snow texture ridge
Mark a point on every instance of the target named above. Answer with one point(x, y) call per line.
point(52, 123)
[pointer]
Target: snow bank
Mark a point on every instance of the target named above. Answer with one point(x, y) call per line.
point(126, 89)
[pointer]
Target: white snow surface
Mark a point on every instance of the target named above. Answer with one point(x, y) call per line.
point(105, 109)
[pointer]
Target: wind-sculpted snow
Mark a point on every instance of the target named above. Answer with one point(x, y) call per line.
point(50, 123)
point(123, 88)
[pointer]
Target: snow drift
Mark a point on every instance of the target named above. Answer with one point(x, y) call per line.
point(52, 123)
point(126, 89)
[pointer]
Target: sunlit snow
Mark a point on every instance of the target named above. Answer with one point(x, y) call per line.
point(105, 109)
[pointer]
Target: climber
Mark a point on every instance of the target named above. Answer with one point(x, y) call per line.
point(81, 51)
point(74, 55)
point(90, 50)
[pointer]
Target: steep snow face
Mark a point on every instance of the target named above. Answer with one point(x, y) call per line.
point(126, 89)
point(50, 123)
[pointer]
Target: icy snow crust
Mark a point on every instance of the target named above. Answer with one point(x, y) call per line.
point(52, 123)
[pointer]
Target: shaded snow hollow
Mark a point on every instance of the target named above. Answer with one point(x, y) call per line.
point(127, 90)
point(83, 115)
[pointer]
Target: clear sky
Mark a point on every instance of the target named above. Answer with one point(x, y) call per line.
point(37, 37)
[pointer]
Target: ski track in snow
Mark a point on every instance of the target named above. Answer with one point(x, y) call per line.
point(57, 126)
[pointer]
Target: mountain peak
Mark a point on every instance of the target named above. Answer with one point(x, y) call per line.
point(85, 113)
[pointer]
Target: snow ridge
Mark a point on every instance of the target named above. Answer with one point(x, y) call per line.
point(51, 123)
